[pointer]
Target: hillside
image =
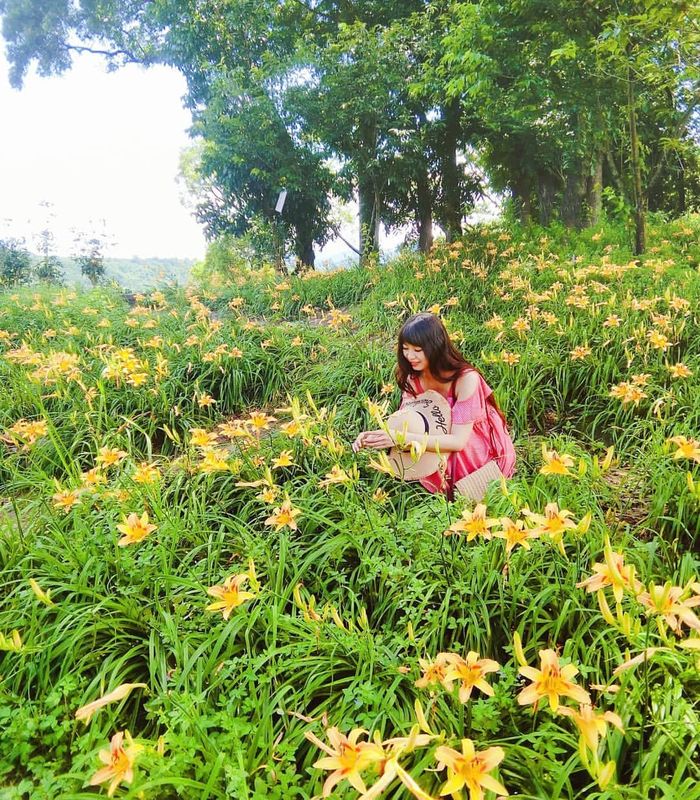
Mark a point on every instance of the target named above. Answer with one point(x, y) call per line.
point(134, 274)
point(200, 573)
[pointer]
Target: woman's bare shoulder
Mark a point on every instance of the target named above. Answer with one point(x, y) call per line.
point(466, 384)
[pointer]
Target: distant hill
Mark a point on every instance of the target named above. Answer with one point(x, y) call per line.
point(135, 274)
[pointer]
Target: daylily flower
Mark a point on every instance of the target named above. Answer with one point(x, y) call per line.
point(66, 499)
point(234, 430)
point(515, 533)
point(470, 768)
point(551, 681)
point(201, 438)
point(380, 496)
point(554, 463)
point(593, 726)
point(135, 529)
point(284, 516)
point(229, 594)
point(205, 400)
point(93, 477)
point(469, 672)
point(108, 456)
point(338, 475)
point(679, 370)
point(627, 393)
point(146, 473)
point(658, 340)
point(579, 353)
point(119, 762)
point(260, 421)
point(687, 448)
point(346, 757)
point(213, 460)
point(612, 572)
point(433, 671)
point(389, 767)
point(473, 523)
point(510, 358)
point(85, 713)
point(665, 601)
point(554, 523)
point(285, 459)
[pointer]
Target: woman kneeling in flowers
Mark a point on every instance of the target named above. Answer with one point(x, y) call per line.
point(478, 439)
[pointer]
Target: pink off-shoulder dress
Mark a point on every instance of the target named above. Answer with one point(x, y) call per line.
point(489, 438)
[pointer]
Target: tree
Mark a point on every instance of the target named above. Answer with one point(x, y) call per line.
point(89, 256)
point(48, 268)
point(15, 263)
point(652, 50)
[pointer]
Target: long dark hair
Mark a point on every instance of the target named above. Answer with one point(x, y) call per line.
point(427, 332)
point(446, 363)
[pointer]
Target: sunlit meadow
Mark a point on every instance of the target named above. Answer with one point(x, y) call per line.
point(206, 594)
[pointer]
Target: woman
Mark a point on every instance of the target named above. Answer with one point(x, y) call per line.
point(427, 359)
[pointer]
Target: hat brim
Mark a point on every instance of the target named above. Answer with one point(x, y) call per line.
point(428, 414)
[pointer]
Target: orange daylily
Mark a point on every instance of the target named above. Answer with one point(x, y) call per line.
point(613, 572)
point(202, 438)
point(119, 761)
point(554, 523)
point(285, 459)
point(593, 726)
point(666, 602)
point(229, 594)
point(433, 671)
point(470, 673)
point(284, 516)
point(515, 533)
point(550, 681)
point(135, 529)
point(85, 712)
point(473, 523)
point(146, 473)
point(66, 499)
point(687, 448)
point(108, 456)
point(346, 757)
point(555, 463)
point(470, 768)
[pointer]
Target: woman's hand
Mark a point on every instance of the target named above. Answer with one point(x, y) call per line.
point(375, 440)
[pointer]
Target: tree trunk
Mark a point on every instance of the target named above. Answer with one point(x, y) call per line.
point(450, 172)
point(424, 212)
point(572, 203)
point(521, 195)
point(639, 230)
point(546, 190)
point(304, 249)
point(682, 204)
point(368, 216)
point(594, 189)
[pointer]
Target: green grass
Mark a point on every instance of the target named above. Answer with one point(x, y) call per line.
point(229, 701)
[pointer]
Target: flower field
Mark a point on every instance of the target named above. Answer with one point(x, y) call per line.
point(206, 594)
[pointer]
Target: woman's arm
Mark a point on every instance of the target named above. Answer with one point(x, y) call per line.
point(451, 442)
point(444, 443)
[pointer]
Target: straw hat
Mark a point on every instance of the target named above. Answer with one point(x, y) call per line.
point(428, 414)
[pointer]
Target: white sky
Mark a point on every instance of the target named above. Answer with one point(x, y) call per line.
point(98, 146)
point(103, 149)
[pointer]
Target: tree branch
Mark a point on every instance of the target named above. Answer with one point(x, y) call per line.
point(130, 57)
point(337, 232)
point(315, 12)
point(682, 122)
